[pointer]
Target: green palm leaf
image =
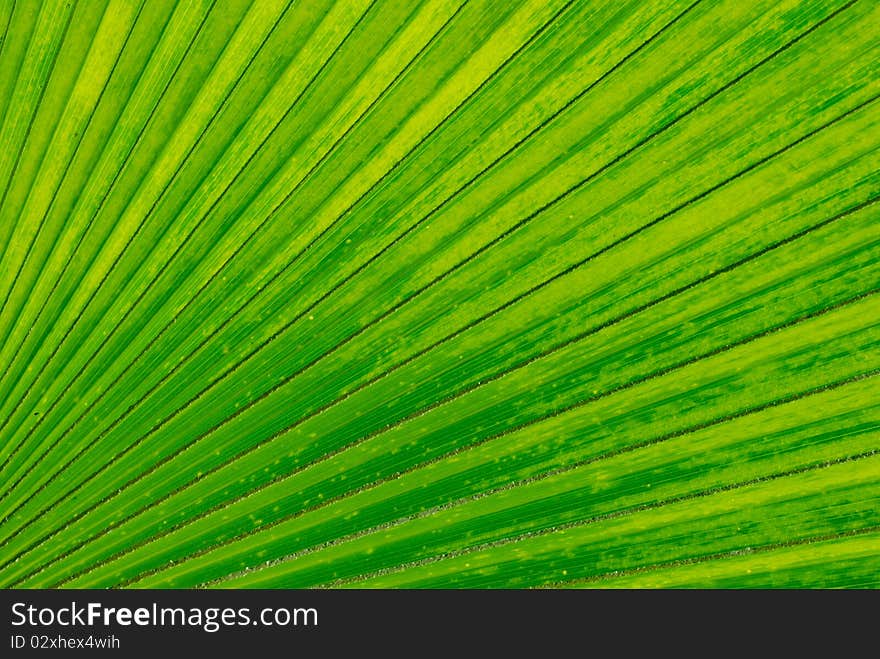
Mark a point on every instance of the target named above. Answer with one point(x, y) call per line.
point(439, 294)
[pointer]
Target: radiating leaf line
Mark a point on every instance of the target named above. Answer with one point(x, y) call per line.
point(553, 413)
point(69, 161)
point(23, 42)
point(83, 235)
point(32, 87)
point(482, 382)
point(380, 544)
point(12, 7)
point(16, 160)
point(581, 523)
point(134, 235)
point(127, 244)
point(17, 83)
point(73, 151)
point(797, 542)
point(457, 502)
point(46, 138)
point(161, 195)
point(223, 265)
point(274, 336)
point(54, 215)
point(758, 163)
point(268, 283)
point(107, 338)
point(393, 309)
point(63, 270)
point(444, 294)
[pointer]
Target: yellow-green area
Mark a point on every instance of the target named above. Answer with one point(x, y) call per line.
point(452, 293)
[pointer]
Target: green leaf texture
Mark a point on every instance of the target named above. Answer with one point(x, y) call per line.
point(384, 294)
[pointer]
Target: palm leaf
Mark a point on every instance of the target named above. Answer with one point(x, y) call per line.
point(439, 294)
